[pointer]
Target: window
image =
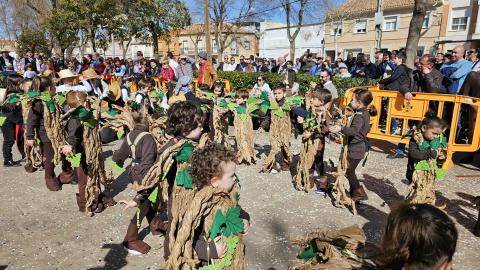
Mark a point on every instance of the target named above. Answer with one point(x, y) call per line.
point(246, 45)
point(184, 47)
point(426, 20)
point(200, 46)
point(355, 52)
point(233, 47)
point(390, 23)
point(420, 51)
point(459, 19)
point(214, 46)
point(360, 26)
point(336, 29)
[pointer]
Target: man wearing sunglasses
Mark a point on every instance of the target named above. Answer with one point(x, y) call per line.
point(473, 57)
point(241, 66)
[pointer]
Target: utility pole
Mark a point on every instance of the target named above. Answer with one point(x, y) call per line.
point(378, 25)
point(206, 23)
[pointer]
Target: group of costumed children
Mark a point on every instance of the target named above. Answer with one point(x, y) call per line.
point(183, 165)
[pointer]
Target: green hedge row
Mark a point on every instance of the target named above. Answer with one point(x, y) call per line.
point(239, 80)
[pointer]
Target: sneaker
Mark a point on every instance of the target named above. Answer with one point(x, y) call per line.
point(273, 171)
point(11, 163)
point(395, 156)
point(397, 131)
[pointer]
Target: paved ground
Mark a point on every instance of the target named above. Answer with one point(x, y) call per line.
point(43, 230)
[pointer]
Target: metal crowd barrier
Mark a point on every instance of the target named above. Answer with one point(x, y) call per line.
point(415, 110)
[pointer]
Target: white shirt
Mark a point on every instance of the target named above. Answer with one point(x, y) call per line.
point(228, 67)
point(98, 92)
point(174, 65)
point(67, 88)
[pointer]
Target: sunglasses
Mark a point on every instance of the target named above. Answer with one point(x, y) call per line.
point(470, 52)
point(259, 80)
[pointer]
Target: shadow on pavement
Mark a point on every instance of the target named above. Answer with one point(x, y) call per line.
point(384, 188)
point(458, 208)
point(115, 258)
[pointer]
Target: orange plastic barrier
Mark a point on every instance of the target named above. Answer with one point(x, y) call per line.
point(415, 110)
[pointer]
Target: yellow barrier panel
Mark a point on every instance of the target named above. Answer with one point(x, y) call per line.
point(226, 82)
point(415, 110)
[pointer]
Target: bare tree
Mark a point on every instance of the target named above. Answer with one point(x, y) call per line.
point(419, 12)
point(289, 12)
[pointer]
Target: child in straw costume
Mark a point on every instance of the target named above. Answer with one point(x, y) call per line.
point(280, 135)
point(140, 145)
point(44, 127)
point(426, 148)
point(242, 122)
point(212, 229)
point(84, 151)
point(218, 118)
point(315, 128)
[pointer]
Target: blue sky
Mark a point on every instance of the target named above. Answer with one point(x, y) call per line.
point(269, 10)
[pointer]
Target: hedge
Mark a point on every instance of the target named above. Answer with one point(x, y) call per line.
point(239, 80)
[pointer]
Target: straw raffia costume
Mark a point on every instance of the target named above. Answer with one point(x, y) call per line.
point(335, 250)
point(423, 170)
point(279, 135)
point(242, 122)
point(33, 154)
point(312, 148)
point(219, 121)
point(211, 207)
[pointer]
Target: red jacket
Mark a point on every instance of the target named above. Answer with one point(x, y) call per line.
point(167, 74)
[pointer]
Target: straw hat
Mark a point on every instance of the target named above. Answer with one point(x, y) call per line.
point(66, 73)
point(89, 74)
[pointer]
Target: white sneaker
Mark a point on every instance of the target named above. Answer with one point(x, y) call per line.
point(273, 171)
point(132, 251)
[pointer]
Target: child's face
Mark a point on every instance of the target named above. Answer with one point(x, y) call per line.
point(316, 102)
point(227, 180)
point(217, 91)
point(356, 104)
point(240, 101)
point(279, 94)
point(430, 133)
point(196, 133)
point(26, 86)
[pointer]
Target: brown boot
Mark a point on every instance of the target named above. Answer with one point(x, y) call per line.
point(29, 168)
point(284, 165)
point(157, 226)
point(53, 184)
point(66, 177)
point(81, 203)
point(311, 182)
point(131, 242)
point(359, 194)
point(323, 183)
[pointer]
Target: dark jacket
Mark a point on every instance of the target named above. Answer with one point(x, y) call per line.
point(35, 122)
point(415, 155)
point(145, 153)
point(357, 134)
point(399, 81)
point(75, 134)
point(265, 124)
point(430, 83)
point(471, 86)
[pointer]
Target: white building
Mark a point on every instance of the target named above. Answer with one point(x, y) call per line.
point(274, 40)
point(115, 50)
point(462, 26)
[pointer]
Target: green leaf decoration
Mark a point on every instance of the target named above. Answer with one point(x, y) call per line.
point(274, 106)
point(237, 196)
point(50, 105)
point(223, 103)
point(209, 95)
point(75, 160)
point(264, 95)
point(83, 114)
point(133, 106)
point(90, 123)
point(204, 107)
point(252, 108)
point(435, 143)
point(153, 197)
point(439, 174)
point(241, 109)
point(112, 112)
point(279, 113)
point(227, 225)
point(2, 120)
point(184, 179)
point(37, 141)
point(117, 168)
point(422, 166)
point(243, 116)
point(295, 100)
point(13, 99)
point(46, 96)
point(61, 99)
point(24, 102)
point(443, 141)
point(252, 100)
point(310, 252)
point(218, 222)
point(286, 107)
point(31, 93)
point(185, 153)
point(424, 146)
point(120, 133)
point(231, 106)
point(264, 108)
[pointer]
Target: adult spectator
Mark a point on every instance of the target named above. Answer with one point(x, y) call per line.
point(85, 65)
point(118, 69)
point(154, 70)
point(430, 80)
point(400, 79)
point(290, 79)
point(328, 64)
point(130, 71)
point(378, 57)
point(101, 65)
point(298, 64)
point(137, 68)
point(172, 63)
point(473, 58)
point(250, 67)
point(343, 71)
point(206, 73)
point(30, 59)
point(7, 63)
point(240, 66)
point(350, 61)
point(166, 73)
point(325, 78)
point(229, 66)
point(365, 69)
point(386, 67)
point(318, 67)
point(439, 59)
point(281, 65)
point(307, 62)
point(260, 87)
point(462, 66)
point(185, 67)
point(262, 67)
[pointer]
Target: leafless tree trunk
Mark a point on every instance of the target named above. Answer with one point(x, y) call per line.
point(419, 12)
point(287, 5)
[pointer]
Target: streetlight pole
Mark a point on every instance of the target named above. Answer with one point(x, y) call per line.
point(206, 19)
point(378, 25)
